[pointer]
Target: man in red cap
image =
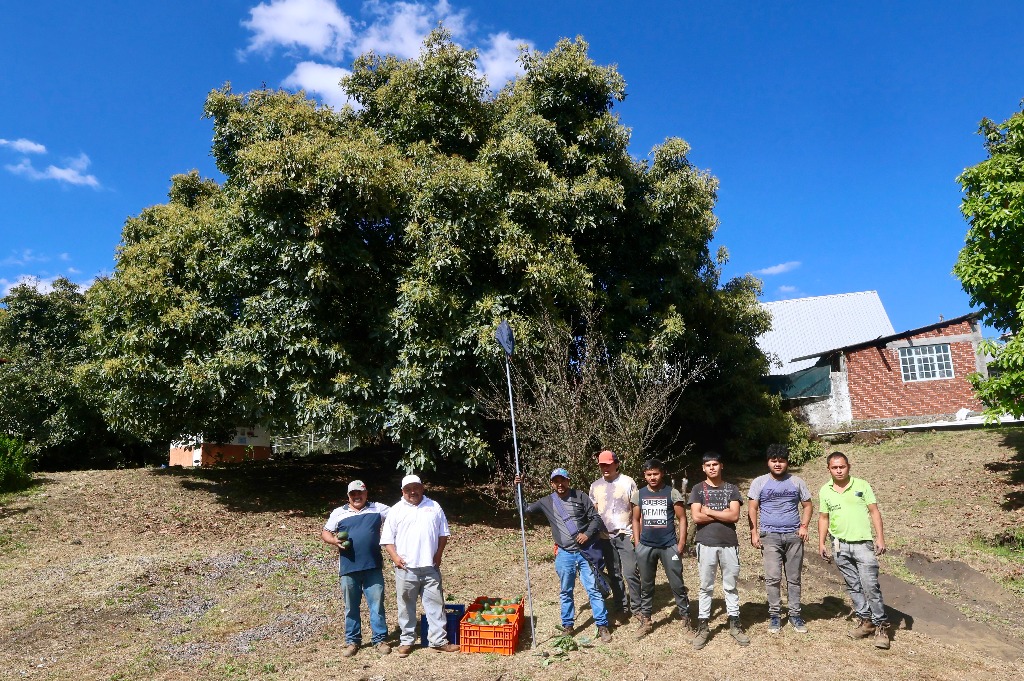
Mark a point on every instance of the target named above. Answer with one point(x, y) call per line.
point(611, 494)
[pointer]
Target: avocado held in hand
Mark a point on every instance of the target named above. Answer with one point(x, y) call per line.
point(344, 543)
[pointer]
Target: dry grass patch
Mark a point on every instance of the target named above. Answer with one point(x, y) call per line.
point(220, 575)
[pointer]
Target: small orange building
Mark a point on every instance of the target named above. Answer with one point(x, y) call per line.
point(250, 443)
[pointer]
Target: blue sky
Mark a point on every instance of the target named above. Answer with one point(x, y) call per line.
point(836, 129)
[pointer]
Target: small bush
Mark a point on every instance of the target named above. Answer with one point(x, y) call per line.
point(15, 465)
point(803, 444)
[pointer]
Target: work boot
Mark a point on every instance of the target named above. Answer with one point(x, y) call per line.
point(736, 631)
point(605, 634)
point(564, 631)
point(404, 651)
point(687, 626)
point(446, 648)
point(882, 636)
point(646, 627)
point(700, 639)
point(863, 629)
point(383, 648)
point(350, 650)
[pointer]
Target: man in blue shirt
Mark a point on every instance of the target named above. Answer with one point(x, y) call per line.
point(779, 509)
point(360, 564)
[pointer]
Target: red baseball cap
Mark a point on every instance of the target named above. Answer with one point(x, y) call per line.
point(607, 456)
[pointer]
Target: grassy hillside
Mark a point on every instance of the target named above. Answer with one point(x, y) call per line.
point(220, 574)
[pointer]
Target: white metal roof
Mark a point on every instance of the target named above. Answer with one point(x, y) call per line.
point(804, 326)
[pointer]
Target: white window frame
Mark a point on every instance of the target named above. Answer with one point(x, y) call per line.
point(926, 363)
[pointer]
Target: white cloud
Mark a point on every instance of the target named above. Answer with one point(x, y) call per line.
point(73, 172)
point(400, 27)
point(322, 30)
point(787, 289)
point(499, 60)
point(23, 146)
point(779, 269)
point(26, 256)
point(321, 79)
point(41, 284)
point(318, 26)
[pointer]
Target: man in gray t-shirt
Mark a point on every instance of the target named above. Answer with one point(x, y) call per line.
point(779, 509)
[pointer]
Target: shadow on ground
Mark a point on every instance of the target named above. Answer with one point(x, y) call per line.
point(312, 486)
point(1012, 469)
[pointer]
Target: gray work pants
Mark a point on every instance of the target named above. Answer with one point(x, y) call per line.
point(708, 560)
point(782, 551)
point(620, 558)
point(858, 565)
point(410, 585)
point(647, 559)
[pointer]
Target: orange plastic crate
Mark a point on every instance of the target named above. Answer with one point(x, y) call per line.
point(481, 638)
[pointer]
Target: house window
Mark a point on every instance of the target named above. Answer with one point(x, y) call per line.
point(926, 362)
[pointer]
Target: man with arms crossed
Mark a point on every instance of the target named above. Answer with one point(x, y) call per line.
point(610, 495)
point(715, 507)
point(847, 513)
point(360, 565)
point(779, 509)
point(414, 535)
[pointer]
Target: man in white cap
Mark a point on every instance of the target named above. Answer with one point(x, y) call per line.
point(359, 523)
point(415, 534)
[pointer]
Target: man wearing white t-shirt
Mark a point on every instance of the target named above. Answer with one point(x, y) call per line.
point(415, 534)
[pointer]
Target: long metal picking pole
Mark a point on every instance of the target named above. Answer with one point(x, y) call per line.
point(519, 501)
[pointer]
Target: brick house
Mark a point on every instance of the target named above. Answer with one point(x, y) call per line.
point(919, 374)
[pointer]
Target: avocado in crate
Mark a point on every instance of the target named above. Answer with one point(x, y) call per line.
point(491, 625)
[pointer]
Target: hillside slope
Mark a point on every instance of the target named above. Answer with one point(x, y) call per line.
point(220, 574)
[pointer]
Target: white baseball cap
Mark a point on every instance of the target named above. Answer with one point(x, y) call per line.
point(410, 479)
point(357, 486)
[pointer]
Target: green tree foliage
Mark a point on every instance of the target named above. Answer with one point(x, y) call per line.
point(350, 270)
point(41, 400)
point(991, 264)
point(15, 464)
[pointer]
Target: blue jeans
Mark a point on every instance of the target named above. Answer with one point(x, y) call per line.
point(354, 586)
point(858, 565)
point(567, 564)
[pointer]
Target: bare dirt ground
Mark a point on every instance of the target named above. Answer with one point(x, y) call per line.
point(220, 574)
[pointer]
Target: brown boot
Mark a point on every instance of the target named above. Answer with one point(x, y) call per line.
point(863, 629)
point(882, 636)
point(646, 627)
point(605, 634)
point(688, 630)
point(446, 648)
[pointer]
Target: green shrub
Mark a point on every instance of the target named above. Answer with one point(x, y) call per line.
point(15, 465)
point(803, 445)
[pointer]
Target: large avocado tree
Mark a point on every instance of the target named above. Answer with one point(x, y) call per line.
point(350, 270)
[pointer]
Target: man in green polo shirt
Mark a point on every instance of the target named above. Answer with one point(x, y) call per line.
point(847, 514)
